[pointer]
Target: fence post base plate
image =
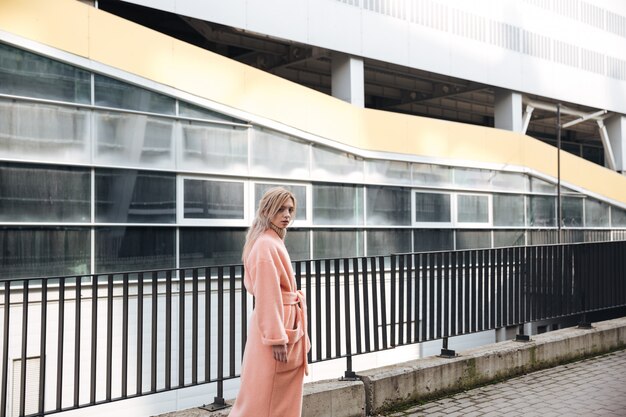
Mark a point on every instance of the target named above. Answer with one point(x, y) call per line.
point(447, 353)
point(217, 404)
point(522, 338)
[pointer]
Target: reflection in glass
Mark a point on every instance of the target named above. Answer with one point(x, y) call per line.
point(473, 208)
point(211, 246)
point(337, 243)
point(385, 242)
point(129, 196)
point(278, 154)
point(337, 204)
point(505, 238)
point(44, 132)
point(510, 181)
point(508, 210)
point(213, 199)
point(214, 148)
point(596, 213)
point(473, 178)
point(572, 211)
point(299, 191)
point(134, 248)
point(425, 240)
point(298, 244)
point(26, 74)
point(133, 139)
point(377, 170)
point(197, 112)
point(44, 251)
point(542, 211)
point(473, 239)
point(329, 163)
point(120, 95)
point(541, 186)
point(618, 217)
point(43, 193)
point(432, 175)
point(432, 207)
point(388, 206)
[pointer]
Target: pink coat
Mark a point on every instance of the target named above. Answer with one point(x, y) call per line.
point(270, 388)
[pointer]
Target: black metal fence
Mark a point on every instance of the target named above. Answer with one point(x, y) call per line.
point(72, 342)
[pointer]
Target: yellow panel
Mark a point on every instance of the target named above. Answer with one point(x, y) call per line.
point(45, 22)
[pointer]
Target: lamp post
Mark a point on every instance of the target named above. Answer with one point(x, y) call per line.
point(558, 169)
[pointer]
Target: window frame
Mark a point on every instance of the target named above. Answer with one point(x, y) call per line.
point(308, 214)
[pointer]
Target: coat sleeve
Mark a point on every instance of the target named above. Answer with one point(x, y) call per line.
point(269, 304)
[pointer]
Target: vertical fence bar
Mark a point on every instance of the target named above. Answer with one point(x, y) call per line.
point(109, 340)
point(194, 326)
point(481, 288)
point(375, 310)
point(42, 345)
point(401, 302)
point(346, 300)
point(509, 289)
point(441, 273)
point(425, 264)
point(417, 264)
point(168, 329)
point(244, 308)
point(61, 332)
point(5, 347)
point(124, 369)
point(492, 272)
point(432, 278)
point(465, 275)
point(231, 320)
point(409, 295)
point(207, 324)
point(309, 294)
point(22, 400)
point(220, 335)
point(318, 310)
point(337, 331)
point(392, 299)
point(77, 337)
point(532, 287)
point(445, 298)
point(139, 353)
point(153, 332)
point(181, 328)
point(327, 310)
point(454, 294)
point(357, 305)
point(383, 300)
point(557, 293)
point(366, 308)
point(94, 338)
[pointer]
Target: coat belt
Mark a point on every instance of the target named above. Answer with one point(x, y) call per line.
point(298, 300)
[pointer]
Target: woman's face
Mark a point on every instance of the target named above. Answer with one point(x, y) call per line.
point(282, 219)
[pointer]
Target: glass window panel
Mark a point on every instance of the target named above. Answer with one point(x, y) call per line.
point(597, 235)
point(210, 246)
point(129, 196)
point(508, 210)
point(509, 181)
point(134, 248)
point(197, 112)
point(572, 236)
point(337, 243)
point(134, 139)
point(44, 132)
point(543, 237)
point(473, 178)
point(214, 148)
point(541, 186)
point(473, 208)
point(432, 207)
point(120, 95)
point(213, 199)
point(542, 211)
point(504, 238)
point(42, 193)
point(572, 211)
point(388, 206)
point(328, 163)
point(298, 244)
point(378, 170)
point(618, 217)
point(432, 175)
point(276, 154)
point(425, 240)
point(596, 213)
point(26, 74)
point(299, 191)
point(337, 204)
point(386, 242)
point(44, 251)
point(473, 239)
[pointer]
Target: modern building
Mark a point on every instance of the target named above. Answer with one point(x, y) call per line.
point(138, 135)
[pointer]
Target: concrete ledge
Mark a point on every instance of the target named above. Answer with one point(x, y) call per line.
point(334, 398)
point(392, 386)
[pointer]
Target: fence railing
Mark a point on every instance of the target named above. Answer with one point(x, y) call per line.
point(73, 342)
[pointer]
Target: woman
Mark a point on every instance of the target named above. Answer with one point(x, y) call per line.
point(274, 362)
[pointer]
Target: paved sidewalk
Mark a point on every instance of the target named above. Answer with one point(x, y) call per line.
point(593, 387)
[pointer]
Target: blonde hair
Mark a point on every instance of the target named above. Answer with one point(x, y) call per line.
point(269, 206)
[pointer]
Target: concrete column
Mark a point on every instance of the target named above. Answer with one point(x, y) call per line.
point(348, 79)
point(616, 129)
point(508, 110)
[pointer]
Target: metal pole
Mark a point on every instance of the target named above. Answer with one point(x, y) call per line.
point(558, 168)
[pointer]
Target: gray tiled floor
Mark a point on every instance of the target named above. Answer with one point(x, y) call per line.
point(593, 387)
